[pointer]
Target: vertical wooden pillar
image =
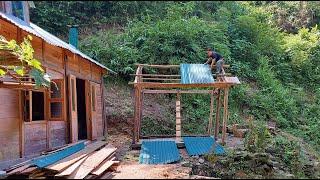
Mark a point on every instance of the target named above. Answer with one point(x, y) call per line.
point(178, 118)
point(216, 129)
point(140, 113)
point(225, 114)
point(137, 108)
point(211, 113)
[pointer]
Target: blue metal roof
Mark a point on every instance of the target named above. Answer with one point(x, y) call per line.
point(54, 157)
point(202, 145)
point(46, 36)
point(158, 152)
point(195, 74)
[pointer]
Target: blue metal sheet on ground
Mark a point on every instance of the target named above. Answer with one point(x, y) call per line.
point(202, 145)
point(195, 74)
point(54, 157)
point(158, 152)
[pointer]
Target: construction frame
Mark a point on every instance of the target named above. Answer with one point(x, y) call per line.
point(170, 83)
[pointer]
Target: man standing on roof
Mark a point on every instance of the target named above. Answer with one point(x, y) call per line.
point(215, 58)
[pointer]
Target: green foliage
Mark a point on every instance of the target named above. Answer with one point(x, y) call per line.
point(279, 71)
point(175, 39)
point(258, 137)
point(289, 152)
point(24, 53)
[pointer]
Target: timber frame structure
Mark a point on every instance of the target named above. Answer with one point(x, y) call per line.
point(170, 83)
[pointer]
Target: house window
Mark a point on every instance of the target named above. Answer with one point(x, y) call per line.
point(17, 9)
point(56, 100)
point(34, 103)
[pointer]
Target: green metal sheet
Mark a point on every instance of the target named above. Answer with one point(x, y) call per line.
point(158, 152)
point(202, 145)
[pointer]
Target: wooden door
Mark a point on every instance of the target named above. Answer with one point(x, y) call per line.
point(73, 108)
point(91, 109)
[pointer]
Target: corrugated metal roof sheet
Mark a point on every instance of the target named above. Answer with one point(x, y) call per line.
point(158, 152)
point(46, 36)
point(54, 157)
point(195, 74)
point(202, 145)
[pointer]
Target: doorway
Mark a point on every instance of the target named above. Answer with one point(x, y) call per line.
point(81, 104)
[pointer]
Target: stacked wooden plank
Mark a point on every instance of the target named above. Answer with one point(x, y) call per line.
point(96, 160)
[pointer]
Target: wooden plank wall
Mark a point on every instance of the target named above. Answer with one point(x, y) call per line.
point(57, 133)
point(35, 134)
point(98, 115)
point(9, 120)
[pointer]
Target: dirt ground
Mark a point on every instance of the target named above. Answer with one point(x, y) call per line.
point(129, 167)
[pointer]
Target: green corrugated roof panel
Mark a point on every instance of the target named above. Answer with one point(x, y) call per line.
point(202, 145)
point(195, 74)
point(158, 152)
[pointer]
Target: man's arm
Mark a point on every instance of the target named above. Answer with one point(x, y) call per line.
point(209, 61)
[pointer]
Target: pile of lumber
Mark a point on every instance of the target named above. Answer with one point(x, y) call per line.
point(95, 160)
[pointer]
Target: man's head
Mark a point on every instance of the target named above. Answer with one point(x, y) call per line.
point(209, 52)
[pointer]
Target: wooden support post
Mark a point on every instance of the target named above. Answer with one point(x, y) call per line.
point(140, 114)
point(216, 130)
point(178, 118)
point(225, 114)
point(136, 114)
point(211, 113)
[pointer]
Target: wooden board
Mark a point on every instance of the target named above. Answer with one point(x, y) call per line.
point(64, 163)
point(103, 167)
point(18, 170)
point(92, 162)
point(73, 167)
point(73, 108)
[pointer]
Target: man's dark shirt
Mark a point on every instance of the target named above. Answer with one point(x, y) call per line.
point(216, 56)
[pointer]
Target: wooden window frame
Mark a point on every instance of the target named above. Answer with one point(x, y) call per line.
point(28, 98)
point(57, 100)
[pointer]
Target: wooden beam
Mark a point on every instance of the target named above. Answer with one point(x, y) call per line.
point(161, 79)
point(211, 113)
point(156, 75)
point(169, 66)
point(179, 85)
point(216, 129)
point(159, 66)
point(225, 114)
point(147, 91)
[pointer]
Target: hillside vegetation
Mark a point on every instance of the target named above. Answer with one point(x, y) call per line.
point(273, 47)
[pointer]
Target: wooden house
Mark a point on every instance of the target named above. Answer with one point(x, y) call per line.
point(31, 120)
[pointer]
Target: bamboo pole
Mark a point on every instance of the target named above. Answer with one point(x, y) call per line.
point(136, 115)
point(140, 113)
point(225, 114)
point(216, 130)
point(211, 113)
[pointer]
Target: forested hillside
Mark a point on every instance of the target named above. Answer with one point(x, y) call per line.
point(273, 47)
